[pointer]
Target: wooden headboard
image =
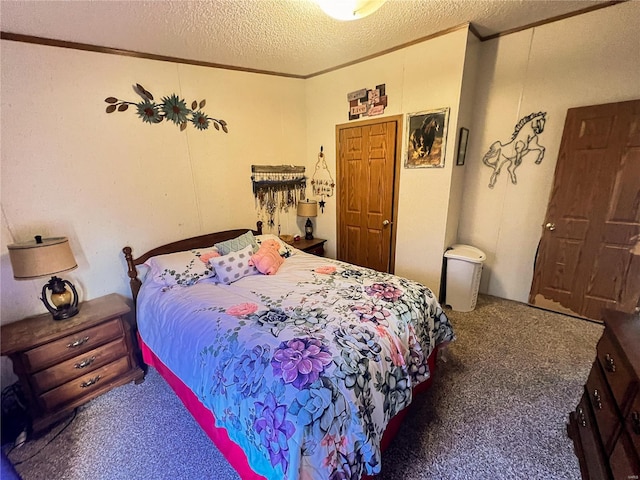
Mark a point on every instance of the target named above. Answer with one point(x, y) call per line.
point(201, 241)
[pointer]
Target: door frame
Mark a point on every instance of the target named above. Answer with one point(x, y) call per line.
point(399, 121)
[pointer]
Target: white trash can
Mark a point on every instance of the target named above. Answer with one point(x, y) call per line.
point(464, 269)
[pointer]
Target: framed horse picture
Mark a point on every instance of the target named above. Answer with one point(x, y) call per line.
point(426, 138)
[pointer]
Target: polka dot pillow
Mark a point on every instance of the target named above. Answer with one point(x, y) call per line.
point(234, 266)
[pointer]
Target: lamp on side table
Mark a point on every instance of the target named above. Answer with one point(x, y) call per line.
point(308, 208)
point(42, 257)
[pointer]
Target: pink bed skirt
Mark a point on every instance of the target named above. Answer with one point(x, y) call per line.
point(232, 452)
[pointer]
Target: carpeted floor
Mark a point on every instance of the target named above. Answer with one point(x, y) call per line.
point(497, 410)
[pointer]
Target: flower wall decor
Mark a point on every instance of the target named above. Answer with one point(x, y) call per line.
point(172, 108)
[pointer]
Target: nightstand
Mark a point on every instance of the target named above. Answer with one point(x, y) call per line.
point(315, 246)
point(64, 364)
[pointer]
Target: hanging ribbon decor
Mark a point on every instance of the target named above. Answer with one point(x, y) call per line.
point(277, 188)
point(322, 182)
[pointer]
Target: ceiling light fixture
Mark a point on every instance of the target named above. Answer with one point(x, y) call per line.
point(349, 9)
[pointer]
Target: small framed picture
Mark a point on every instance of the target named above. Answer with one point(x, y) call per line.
point(462, 145)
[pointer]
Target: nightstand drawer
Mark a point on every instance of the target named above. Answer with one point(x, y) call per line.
point(314, 246)
point(77, 366)
point(84, 385)
point(618, 373)
point(319, 250)
point(72, 345)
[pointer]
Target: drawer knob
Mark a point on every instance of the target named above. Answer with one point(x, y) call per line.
point(77, 343)
point(85, 363)
point(583, 418)
point(597, 399)
point(90, 382)
point(610, 364)
point(635, 422)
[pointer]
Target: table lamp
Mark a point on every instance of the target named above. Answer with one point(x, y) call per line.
point(308, 208)
point(42, 257)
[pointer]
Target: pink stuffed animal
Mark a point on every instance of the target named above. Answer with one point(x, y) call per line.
point(267, 259)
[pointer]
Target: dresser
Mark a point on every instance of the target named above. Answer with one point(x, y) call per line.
point(605, 426)
point(64, 364)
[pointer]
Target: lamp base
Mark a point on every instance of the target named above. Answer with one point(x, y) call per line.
point(60, 302)
point(63, 313)
point(308, 228)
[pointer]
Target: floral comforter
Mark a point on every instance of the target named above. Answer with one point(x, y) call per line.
point(304, 368)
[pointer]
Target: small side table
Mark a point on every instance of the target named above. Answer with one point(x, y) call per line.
point(315, 246)
point(64, 364)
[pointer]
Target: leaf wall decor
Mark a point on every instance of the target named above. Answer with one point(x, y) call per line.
point(171, 108)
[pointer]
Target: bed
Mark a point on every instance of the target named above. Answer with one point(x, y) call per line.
point(304, 373)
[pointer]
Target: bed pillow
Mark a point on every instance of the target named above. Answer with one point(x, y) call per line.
point(237, 244)
point(234, 266)
point(267, 259)
point(143, 270)
point(182, 268)
point(283, 248)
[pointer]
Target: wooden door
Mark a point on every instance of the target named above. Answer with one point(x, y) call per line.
point(367, 180)
point(589, 255)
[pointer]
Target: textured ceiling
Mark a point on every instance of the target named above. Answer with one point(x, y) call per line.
point(285, 36)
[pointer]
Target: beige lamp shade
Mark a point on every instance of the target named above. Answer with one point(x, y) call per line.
point(308, 208)
point(41, 257)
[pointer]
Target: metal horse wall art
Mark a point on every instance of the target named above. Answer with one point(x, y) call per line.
point(523, 140)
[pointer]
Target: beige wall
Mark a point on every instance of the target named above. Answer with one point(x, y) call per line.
point(584, 60)
point(110, 180)
point(106, 181)
point(421, 77)
point(465, 119)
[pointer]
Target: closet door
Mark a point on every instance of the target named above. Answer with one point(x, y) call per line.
point(368, 177)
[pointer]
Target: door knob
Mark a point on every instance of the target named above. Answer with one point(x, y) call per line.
point(550, 226)
point(385, 223)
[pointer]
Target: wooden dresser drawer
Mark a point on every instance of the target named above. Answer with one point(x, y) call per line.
point(72, 345)
point(77, 366)
point(624, 461)
point(632, 422)
point(604, 407)
point(585, 429)
point(84, 385)
point(618, 373)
